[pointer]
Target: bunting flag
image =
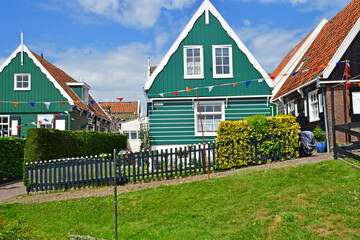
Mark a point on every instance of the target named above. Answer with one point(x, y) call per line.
point(56, 115)
point(46, 120)
point(87, 112)
point(161, 94)
point(338, 63)
point(77, 102)
point(16, 103)
point(315, 69)
point(210, 88)
point(134, 96)
point(40, 122)
point(348, 85)
point(359, 84)
point(293, 74)
point(47, 104)
point(176, 93)
point(188, 89)
point(285, 74)
point(66, 112)
point(347, 75)
point(235, 84)
point(260, 80)
point(120, 99)
point(18, 127)
point(32, 104)
point(273, 77)
point(248, 83)
point(347, 67)
point(92, 102)
point(0, 102)
point(148, 95)
point(222, 85)
point(96, 114)
point(34, 123)
point(63, 103)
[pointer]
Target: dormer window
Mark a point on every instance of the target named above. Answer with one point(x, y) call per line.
point(85, 95)
point(22, 82)
point(193, 62)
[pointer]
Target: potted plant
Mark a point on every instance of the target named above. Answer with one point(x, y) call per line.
point(320, 138)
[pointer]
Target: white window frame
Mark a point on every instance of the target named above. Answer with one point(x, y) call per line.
point(305, 108)
point(356, 102)
point(15, 82)
point(85, 95)
point(196, 115)
point(220, 75)
point(201, 75)
point(291, 107)
point(127, 133)
point(321, 107)
point(313, 118)
point(47, 116)
point(8, 126)
point(133, 131)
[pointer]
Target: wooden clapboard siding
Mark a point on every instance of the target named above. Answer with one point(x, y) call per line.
point(171, 78)
point(173, 123)
point(42, 90)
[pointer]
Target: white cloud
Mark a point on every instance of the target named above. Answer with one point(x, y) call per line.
point(113, 74)
point(138, 13)
point(269, 46)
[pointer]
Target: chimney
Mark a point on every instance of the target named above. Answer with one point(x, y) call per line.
point(42, 55)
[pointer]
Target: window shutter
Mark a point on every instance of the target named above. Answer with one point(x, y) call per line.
point(321, 107)
point(14, 122)
point(305, 108)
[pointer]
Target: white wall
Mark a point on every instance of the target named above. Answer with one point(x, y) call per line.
point(133, 125)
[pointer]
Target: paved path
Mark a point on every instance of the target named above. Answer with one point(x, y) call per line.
point(16, 192)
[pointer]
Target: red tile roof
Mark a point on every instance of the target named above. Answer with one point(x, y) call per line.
point(62, 78)
point(120, 107)
point(324, 47)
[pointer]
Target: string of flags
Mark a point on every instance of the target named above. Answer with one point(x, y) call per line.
point(210, 88)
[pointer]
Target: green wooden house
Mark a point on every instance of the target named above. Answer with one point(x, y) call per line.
point(35, 93)
point(208, 57)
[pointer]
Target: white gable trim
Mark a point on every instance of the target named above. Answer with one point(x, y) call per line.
point(207, 5)
point(342, 49)
point(290, 66)
point(39, 65)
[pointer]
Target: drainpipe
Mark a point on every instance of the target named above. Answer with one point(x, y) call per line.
point(326, 121)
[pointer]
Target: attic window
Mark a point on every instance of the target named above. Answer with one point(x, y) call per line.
point(222, 61)
point(193, 62)
point(302, 64)
point(22, 82)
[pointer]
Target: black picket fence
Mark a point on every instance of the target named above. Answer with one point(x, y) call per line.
point(135, 167)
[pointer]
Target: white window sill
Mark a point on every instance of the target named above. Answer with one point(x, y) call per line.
point(194, 77)
point(314, 120)
point(22, 89)
point(223, 76)
point(206, 134)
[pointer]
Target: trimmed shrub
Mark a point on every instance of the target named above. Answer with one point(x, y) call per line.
point(234, 137)
point(11, 157)
point(46, 144)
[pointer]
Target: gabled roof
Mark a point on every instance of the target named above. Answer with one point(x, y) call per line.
point(59, 78)
point(327, 48)
point(121, 107)
point(206, 7)
point(292, 59)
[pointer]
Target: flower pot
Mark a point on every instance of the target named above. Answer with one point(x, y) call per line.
point(321, 147)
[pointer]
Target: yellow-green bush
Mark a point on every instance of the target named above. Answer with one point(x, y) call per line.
point(239, 140)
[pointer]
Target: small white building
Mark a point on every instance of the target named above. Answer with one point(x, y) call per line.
point(131, 129)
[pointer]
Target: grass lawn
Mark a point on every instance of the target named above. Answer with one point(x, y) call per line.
point(314, 201)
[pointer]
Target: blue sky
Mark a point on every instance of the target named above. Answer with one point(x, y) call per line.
point(107, 42)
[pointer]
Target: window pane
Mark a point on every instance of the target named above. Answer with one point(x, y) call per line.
point(197, 70)
point(190, 60)
point(217, 108)
point(197, 60)
point(18, 78)
point(190, 70)
point(197, 52)
point(218, 70)
point(127, 134)
point(226, 70)
point(25, 78)
point(189, 52)
point(19, 84)
point(218, 60)
point(226, 60)
point(25, 85)
point(209, 108)
point(226, 51)
point(5, 120)
point(218, 51)
point(202, 108)
point(133, 135)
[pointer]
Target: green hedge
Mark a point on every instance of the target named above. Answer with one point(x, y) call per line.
point(233, 138)
point(46, 144)
point(11, 157)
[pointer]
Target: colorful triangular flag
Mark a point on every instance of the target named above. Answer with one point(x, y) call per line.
point(66, 112)
point(348, 85)
point(248, 83)
point(338, 63)
point(63, 103)
point(92, 102)
point(234, 84)
point(18, 127)
point(347, 75)
point(260, 80)
point(222, 85)
point(32, 104)
point(359, 84)
point(273, 77)
point(293, 74)
point(210, 88)
point(120, 99)
point(315, 69)
point(16, 103)
point(161, 94)
point(87, 112)
point(47, 104)
point(148, 95)
point(133, 96)
point(33, 123)
point(56, 115)
point(176, 93)
point(77, 102)
point(188, 89)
